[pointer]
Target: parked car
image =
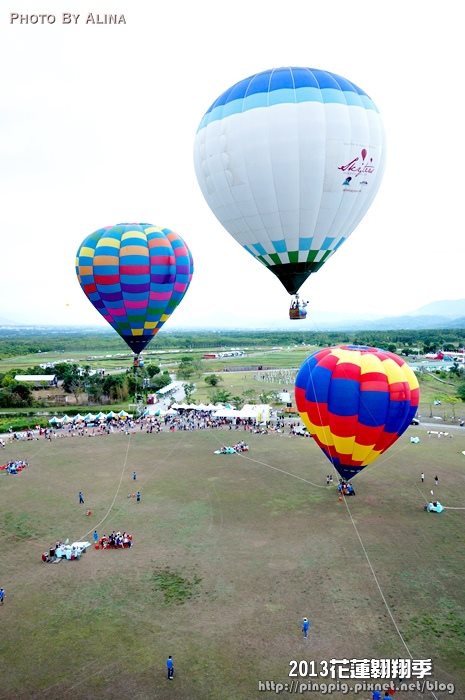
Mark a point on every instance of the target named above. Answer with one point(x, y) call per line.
point(414, 421)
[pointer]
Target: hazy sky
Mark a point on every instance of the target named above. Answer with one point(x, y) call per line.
point(98, 124)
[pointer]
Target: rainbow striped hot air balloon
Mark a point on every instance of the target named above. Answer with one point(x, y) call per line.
point(135, 275)
point(355, 401)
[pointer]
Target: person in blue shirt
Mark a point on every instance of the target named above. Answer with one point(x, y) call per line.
point(95, 536)
point(376, 695)
point(305, 626)
point(170, 668)
point(81, 497)
point(2, 596)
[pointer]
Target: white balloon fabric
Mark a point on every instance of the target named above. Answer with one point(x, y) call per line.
point(289, 161)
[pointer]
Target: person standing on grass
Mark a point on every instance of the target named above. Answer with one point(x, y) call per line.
point(170, 668)
point(422, 477)
point(436, 480)
point(81, 497)
point(2, 596)
point(138, 497)
point(95, 536)
point(134, 476)
point(305, 626)
point(376, 694)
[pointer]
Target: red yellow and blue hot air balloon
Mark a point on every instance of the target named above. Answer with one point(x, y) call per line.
point(135, 275)
point(356, 401)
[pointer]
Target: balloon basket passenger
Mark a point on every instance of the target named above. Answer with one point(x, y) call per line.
point(298, 309)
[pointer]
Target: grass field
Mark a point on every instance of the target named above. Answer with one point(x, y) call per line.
point(230, 552)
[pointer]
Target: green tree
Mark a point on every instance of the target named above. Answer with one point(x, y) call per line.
point(237, 401)
point(249, 395)
point(189, 390)
point(186, 368)
point(213, 379)
point(152, 370)
point(94, 389)
point(461, 391)
point(74, 380)
point(16, 396)
point(267, 396)
point(456, 369)
point(220, 396)
point(160, 381)
point(451, 401)
point(116, 387)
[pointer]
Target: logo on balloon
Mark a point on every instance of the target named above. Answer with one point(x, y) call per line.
point(358, 166)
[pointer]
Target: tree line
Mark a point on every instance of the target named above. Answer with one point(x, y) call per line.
point(13, 343)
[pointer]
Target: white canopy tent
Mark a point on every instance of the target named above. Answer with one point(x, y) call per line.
point(226, 413)
point(261, 412)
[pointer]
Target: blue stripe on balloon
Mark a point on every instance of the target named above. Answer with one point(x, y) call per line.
point(374, 408)
point(134, 292)
point(106, 270)
point(319, 378)
point(279, 246)
point(106, 250)
point(327, 243)
point(259, 248)
point(135, 279)
point(305, 243)
point(161, 280)
point(116, 303)
point(134, 259)
point(110, 296)
point(109, 288)
point(344, 396)
point(396, 415)
point(282, 85)
point(327, 96)
point(127, 240)
point(161, 286)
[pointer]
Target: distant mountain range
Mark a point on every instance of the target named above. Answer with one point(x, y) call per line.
point(438, 314)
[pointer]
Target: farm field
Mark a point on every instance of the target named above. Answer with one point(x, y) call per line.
point(229, 553)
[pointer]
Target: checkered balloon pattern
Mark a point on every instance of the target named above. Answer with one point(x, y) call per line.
point(355, 401)
point(135, 275)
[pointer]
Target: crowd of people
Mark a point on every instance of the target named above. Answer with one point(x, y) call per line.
point(14, 466)
point(63, 550)
point(240, 446)
point(115, 540)
point(184, 420)
point(345, 488)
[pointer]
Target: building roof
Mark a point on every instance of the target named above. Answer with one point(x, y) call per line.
point(35, 377)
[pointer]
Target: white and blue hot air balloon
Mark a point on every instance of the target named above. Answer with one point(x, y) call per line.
point(289, 161)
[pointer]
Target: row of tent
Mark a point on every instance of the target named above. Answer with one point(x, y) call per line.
point(260, 412)
point(89, 418)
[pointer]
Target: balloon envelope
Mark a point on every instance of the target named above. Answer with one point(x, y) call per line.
point(135, 275)
point(289, 161)
point(355, 401)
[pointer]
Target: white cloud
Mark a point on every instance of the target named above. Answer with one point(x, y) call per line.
point(97, 126)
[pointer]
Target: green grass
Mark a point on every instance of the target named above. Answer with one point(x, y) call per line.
point(229, 553)
point(176, 589)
